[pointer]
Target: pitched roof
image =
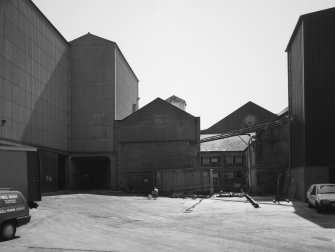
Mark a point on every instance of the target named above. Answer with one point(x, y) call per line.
point(156, 104)
point(90, 39)
point(248, 115)
point(283, 113)
point(235, 143)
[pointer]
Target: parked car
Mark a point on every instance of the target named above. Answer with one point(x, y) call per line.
point(321, 196)
point(14, 212)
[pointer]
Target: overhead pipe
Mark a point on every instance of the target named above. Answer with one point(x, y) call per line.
point(246, 131)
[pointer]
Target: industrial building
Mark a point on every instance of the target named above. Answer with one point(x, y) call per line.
point(157, 139)
point(58, 104)
point(311, 64)
point(226, 158)
point(248, 148)
point(248, 115)
point(267, 158)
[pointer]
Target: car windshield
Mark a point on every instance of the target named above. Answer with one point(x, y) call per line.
point(326, 189)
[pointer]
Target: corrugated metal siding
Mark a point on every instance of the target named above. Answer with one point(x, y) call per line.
point(297, 98)
point(320, 87)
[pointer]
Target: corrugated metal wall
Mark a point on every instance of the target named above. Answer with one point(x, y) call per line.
point(319, 36)
point(297, 98)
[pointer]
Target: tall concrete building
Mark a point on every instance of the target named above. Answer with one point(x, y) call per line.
point(58, 102)
point(103, 89)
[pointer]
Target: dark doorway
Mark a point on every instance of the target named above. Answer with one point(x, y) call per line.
point(91, 172)
point(61, 171)
point(142, 182)
point(266, 182)
point(48, 162)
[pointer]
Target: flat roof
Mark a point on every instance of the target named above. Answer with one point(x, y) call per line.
point(296, 28)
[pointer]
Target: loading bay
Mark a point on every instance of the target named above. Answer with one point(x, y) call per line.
point(104, 222)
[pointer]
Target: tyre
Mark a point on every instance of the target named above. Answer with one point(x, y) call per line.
point(318, 208)
point(309, 204)
point(7, 231)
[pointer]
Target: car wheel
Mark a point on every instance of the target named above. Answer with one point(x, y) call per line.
point(309, 204)
point(7, 230)
point(317, 207)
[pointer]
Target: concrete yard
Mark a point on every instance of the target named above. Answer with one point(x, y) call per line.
point(92, 222)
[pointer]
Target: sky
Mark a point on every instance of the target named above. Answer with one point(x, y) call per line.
point(215, 54)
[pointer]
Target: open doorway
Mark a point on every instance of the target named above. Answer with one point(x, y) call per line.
point(62, 163)
point(91, 172)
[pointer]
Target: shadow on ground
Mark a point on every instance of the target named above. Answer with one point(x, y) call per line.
point(325, 219)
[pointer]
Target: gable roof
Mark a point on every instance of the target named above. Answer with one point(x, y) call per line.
point(248, 115)
point(89, 37)
point(302, 18)
point(235, 143)
point(154, 103)
point(94, 38)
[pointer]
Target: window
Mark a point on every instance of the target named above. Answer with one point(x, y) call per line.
point(238, 160)
point(238, 174)
point(228, 175)
point(229, 160)
point(11, 199)
point(215, 161)
point(204, 161)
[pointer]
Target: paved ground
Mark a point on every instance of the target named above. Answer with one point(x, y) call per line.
point(88, 222)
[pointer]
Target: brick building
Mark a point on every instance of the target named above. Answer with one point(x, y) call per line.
point(262, 153)
point(267, 158)
point(157, 137)
point(226, 158)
